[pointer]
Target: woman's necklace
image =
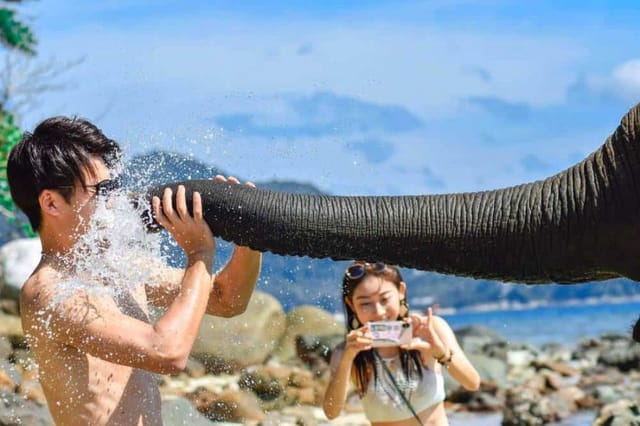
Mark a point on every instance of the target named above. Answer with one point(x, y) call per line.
point(391, 382)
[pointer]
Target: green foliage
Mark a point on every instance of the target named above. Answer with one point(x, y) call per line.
point(14, 34)
point(10, 135)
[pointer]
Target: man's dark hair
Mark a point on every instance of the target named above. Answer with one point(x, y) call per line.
point(53, 157)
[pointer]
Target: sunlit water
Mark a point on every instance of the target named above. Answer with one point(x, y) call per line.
point(560, 324)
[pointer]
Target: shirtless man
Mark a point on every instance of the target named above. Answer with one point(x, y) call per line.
point(98, 355)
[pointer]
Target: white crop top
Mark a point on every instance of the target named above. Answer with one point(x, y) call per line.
point(382, 403)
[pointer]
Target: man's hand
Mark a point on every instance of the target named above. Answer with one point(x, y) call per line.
point(231, 179)
point(190, 232)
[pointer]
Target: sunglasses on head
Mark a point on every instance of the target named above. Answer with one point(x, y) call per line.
point(357, 270)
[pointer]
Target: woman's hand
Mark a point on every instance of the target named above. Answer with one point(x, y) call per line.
point(425, 337)
point(358, 340)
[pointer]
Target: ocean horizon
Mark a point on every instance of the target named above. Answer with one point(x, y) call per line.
point(567, 324)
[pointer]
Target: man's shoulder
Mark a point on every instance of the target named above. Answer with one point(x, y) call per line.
point(38, 288)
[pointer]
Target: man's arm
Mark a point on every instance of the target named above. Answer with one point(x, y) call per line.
point(232, 288)
point(234, 284)
point(96, 325)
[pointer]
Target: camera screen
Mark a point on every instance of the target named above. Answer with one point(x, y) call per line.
point(390, 333)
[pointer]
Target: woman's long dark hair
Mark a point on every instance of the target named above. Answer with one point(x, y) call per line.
point(364, 362)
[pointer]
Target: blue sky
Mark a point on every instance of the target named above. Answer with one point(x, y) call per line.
point(363, 97)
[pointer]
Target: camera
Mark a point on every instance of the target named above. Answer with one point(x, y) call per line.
point(390, 333)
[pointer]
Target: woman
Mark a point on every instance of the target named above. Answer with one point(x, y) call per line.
point(398, 385)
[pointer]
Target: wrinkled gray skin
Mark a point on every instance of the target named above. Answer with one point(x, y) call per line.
point(580, 225)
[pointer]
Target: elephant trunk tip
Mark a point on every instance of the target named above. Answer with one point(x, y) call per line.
point(146, 214)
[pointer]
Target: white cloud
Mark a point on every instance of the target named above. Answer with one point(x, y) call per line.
point(622, 82)
point(157, 82)
point(422, 68)
point(627, 78)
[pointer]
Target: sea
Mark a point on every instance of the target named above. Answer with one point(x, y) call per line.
point(565, 324)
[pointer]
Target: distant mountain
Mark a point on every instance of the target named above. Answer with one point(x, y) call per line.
point(302, 280)
point(159, 166)
point(292, 280)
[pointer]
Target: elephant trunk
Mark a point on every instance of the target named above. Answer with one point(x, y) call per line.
point(579, 225)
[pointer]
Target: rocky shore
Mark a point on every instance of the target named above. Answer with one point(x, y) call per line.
point(268, 368)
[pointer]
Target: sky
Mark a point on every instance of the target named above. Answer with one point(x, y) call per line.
point(360, 97)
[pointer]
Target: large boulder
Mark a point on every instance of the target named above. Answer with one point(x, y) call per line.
point(490, 369)
point(226, 344)
point(18, 259)
point(306, 320)
point(475, 338)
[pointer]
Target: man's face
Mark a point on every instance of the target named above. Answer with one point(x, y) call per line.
point(83, 200)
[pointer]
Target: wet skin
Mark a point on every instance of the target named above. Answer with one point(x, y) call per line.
point(98, 353)
point(81, 388)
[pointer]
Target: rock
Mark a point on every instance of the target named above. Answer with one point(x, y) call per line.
point(607, 394)
point(7, 384)
point(620, 352)
point(301, 378)
point(181, 412)
point(9, 306)
point(474, 338)
point(32, 390)
point(11, 377)
point(486, 399)
point(300, 415)
point(620, 413)
point(227, 344)
point(315, 350)
point(561, 368)
point(526, 406)
point(195, 368)
point(280, 386)
point(6, 349)
point(11, 326)
point(266, 386)
point(228, 406)
point(520, 357)
point(181, 385)
point(300, 396)
point(18, 259)
point(564, 402)
point(554, 352)
point(490, 370)
point(600, 375)
point(15, 410)
point(613, 350)
point(306, 320)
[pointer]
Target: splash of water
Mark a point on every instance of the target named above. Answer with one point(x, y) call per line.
point(115, 254)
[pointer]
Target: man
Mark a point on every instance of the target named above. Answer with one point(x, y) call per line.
point(97, 354)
